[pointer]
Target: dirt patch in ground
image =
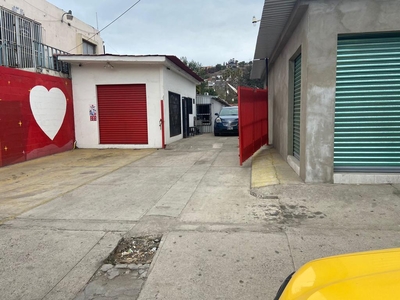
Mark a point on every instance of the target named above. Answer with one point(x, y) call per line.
point(285, 214)
point(134, 250)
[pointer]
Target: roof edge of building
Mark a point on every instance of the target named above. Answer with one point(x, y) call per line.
point(130, 58)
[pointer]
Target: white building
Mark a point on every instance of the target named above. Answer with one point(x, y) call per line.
point(128, 101)
point(58, 30)
point(206, 108)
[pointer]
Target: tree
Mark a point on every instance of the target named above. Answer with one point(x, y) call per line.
point(235, 76)
point(226, 75)
point(195, 67)
point(210, 91)
point(199, 70)
point(184, 60)
point(246, 81)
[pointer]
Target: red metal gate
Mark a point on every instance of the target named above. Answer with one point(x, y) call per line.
point(253, 121)
point(162, 125)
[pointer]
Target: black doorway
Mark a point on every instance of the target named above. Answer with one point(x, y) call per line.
point(187, 109)
point(174, 101)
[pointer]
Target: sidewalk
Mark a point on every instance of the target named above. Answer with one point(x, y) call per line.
point(219, 241)
point(27, 185)
point(268, 168)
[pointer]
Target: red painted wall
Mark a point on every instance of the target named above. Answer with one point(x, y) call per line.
point(21, 137)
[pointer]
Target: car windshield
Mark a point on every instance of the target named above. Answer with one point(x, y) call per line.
point(229, 111)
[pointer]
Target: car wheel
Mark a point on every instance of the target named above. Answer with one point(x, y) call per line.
point(216, 134)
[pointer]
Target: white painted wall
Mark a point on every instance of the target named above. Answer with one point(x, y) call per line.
point(67, 35)
point(215, 108)
point(85, 79)
point(175, 83)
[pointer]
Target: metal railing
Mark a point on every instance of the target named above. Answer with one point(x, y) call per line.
point(36, 55)
point(47, 57)
point(21, 47)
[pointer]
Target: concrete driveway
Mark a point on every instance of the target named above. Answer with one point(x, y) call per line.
point(221, 238)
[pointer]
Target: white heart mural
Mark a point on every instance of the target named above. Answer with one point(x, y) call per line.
point(48, 108)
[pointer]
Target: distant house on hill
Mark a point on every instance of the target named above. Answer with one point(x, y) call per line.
point(232, 63)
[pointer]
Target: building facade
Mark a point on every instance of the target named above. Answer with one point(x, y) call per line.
point(59, 29)
point(332, 70)
point(36, 101)
point(132, 102)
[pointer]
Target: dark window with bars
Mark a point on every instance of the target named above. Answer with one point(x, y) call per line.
point(18, 39)
point(204, 113)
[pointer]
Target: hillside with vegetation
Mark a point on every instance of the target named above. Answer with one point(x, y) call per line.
point(222, 79)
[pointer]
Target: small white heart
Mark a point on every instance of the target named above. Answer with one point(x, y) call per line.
point(48, 108)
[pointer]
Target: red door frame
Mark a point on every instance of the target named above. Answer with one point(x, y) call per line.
point(162, 124)
point(253, 121)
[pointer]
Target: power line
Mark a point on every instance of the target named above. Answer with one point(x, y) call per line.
point(132, 6)
point(115, 50)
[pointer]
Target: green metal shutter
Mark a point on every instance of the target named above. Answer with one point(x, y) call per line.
point(367, 108)
point(296, 107)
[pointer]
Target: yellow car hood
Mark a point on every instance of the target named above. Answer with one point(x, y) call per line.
point(365, 275)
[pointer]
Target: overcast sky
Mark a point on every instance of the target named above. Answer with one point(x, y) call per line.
point(207, 31)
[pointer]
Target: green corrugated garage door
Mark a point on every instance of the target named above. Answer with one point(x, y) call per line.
point(296, 107)
point(367, 109)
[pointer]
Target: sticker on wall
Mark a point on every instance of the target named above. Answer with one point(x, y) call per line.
point(93, 113)
point(48, 108)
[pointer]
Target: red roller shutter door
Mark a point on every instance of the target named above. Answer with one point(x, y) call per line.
point(122, 114)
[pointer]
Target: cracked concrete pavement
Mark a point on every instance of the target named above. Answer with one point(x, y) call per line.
point(221, 238)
